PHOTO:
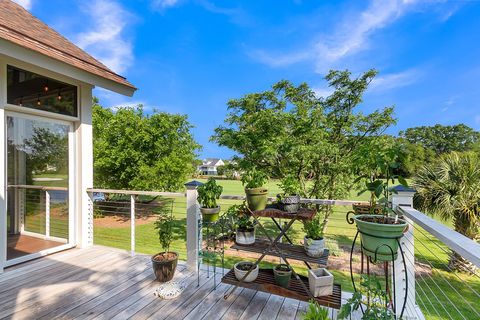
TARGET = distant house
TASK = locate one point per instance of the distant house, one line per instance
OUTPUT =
(209, 166)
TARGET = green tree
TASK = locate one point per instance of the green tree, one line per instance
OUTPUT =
(289, 131)
(144, 152)
(414, 157)
(443, 139)
(450, 188)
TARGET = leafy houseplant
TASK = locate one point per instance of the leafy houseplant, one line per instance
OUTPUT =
(282, 274)
(242, 268)
(254, 181)
(373, 297)
(315, 312)
(380, 229)
(313, 241)
(165, 263)
(290, 199)
(207, 197)
(245, 229)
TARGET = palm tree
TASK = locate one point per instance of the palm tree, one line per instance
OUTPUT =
(450, 188)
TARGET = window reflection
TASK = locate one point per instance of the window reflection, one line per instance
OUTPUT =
(30, 90)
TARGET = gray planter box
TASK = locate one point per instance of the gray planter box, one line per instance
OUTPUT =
(320, 282)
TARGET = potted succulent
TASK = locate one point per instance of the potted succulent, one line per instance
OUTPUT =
(208, 194)
(245, 229)
(254, 181)
(282, 274)
(320, 282)
(164, 263)
(381, 228)
(373, 299)
(313, 241)
(315, 312)
(242, 268)
(289, 200)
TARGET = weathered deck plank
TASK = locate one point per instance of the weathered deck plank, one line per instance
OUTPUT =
(106, 283)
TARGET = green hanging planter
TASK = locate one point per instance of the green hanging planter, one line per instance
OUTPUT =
(379, 234)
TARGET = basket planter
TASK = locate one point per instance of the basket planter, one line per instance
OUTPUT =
(164, 265)
(241, 269)
(256, 198)
(314, 248)
(320, 282)
(245, 237)
(379, 234)
(282, 274)
(290, 204)
(210, 214)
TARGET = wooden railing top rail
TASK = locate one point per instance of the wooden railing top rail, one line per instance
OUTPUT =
(138, 193)
(462, 245)
(44, 188)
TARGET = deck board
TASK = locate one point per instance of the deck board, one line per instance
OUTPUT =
(106, 283)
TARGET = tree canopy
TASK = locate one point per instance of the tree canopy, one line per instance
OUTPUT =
(443, 139)
(133, 150)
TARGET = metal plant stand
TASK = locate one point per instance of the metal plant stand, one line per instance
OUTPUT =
(365, 268)
(272, 246)
(212, 248)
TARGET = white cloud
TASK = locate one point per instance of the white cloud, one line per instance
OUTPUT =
(27, 4)
(323, 91)
(349, 37)
(394, 80)
(164, 4)
(106, 39)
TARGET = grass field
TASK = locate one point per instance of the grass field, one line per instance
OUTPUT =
(431, 252)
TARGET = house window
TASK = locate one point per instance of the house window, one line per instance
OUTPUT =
(30, 90)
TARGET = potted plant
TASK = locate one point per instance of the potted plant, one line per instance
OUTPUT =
(208, 194)
(254, 181)
(245, 229)
(282, 274)
(242, 268)
(164, 263)
(374, 299)
(316, 312)
(320, 282)
(289, 200)
(313, 241)
(380, 229)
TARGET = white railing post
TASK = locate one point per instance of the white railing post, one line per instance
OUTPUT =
(47, 214)
(193, 227)
(403, 197)
(132, 224)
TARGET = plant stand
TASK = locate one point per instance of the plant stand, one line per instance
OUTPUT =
(212, 244)
(298, 288)
(388, 267)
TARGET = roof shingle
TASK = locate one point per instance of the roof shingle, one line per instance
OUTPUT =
(19, 26)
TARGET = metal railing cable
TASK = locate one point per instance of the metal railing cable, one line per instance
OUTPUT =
(418, 240)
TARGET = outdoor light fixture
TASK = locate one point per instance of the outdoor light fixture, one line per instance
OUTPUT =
(38, 101)
(45, 88)
(59, 97)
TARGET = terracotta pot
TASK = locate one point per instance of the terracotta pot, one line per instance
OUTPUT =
(210, 214)
(164, 267)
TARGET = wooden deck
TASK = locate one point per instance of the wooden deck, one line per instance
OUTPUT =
(105, 283)
(21, 245)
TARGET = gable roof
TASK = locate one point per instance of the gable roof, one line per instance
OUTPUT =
(211, 162)
(19, 26)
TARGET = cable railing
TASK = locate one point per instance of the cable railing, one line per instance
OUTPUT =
(124, 219)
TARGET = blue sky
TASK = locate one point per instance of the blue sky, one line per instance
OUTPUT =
(191, 57)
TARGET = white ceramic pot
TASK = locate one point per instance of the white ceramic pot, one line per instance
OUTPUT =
(245, 238)
(239, 274)
(314, 248)
(320, 282)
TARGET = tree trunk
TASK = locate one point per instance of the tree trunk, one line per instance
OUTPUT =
(469, 229)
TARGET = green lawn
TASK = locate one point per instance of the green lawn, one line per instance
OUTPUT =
(427, 250)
